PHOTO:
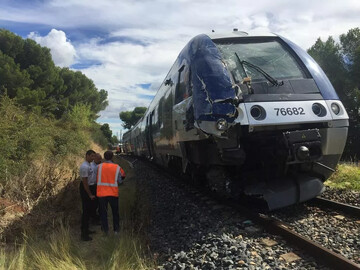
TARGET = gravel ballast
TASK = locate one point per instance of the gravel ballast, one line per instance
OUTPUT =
(188, 230)
(330, 228)
(342, 195)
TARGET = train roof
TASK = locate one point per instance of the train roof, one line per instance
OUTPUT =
(237, 34)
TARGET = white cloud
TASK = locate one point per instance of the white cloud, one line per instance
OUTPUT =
(125, 66)
(62, 51)
(148, 35)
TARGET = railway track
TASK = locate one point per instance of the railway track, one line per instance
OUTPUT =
(274, 226)
(351, 210)
(323, 254)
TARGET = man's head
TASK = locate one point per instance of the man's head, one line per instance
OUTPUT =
(90, 155)
(108, 155)
(97, 158)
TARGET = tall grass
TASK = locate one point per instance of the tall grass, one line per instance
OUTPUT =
(39, 160)
(347, 176)
(35, 151)
(60, 251)
(62, 248)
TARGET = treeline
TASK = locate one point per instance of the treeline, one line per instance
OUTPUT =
(29, 77)
(341, 63)
(47, 118)
(28, 74)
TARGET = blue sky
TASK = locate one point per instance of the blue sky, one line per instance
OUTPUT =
(127, 47)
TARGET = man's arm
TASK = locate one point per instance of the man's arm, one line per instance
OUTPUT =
(87, 189)
(119, 179)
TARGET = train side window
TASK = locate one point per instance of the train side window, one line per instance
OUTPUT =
(181, 87)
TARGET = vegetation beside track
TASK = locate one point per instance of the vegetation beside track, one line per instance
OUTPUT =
(48, 121)
(347, 176)
(57, 245)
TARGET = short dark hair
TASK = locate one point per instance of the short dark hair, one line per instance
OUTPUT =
(108, 155)
(89, 152)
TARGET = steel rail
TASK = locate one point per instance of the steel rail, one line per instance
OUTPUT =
(343, 207)
(323, 254)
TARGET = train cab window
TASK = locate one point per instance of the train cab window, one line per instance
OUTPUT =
(183, 88)
(244, 59)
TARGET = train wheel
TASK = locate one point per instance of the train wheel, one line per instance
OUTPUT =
(219, 181)
(196, 175)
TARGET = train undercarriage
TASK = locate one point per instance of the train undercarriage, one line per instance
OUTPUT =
(280, 167)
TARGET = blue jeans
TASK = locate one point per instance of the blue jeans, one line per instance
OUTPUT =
(114, 204)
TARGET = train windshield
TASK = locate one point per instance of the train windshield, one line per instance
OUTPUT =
(257, 58)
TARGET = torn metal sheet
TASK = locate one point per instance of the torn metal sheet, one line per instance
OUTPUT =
(210, 79)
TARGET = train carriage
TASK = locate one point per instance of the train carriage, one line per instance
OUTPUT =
(250, 114)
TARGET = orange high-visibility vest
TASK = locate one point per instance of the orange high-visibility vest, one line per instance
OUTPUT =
(107, 176)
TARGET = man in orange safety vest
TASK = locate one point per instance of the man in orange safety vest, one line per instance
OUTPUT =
(109, 175)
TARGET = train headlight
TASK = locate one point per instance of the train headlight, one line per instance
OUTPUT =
(221, 124)
(335, 108)
(258, 112)
(319, 109)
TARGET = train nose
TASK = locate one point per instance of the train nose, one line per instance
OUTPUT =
(303, 153)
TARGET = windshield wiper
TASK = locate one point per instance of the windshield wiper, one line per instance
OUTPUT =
(241, 63)
(272, 80)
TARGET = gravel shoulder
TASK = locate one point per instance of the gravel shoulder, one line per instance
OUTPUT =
(332, 229)
(342, 195)
(188, 230)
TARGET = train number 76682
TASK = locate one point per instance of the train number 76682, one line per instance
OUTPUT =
(289, 111)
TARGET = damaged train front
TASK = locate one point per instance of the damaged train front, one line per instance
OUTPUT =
(276, 122)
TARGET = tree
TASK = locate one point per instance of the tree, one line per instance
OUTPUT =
(328, 55)
(28, 74)
(80, 89)
(106, 131)
(12, 79)
(341, 63)
(350, 42)
(114, 139)
(130, 118)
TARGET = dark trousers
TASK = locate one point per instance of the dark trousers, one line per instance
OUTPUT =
(114, 204)
(87, 205)
(94, 204)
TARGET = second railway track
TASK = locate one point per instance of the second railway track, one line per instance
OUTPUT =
(338, 206)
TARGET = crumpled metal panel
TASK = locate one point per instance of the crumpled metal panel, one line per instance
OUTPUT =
(212, 86)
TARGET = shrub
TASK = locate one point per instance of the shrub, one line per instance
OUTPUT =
(347, 176)
(33, 148)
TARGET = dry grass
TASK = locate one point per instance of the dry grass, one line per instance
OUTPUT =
(60, 251)
(59, 246)
(347, 176)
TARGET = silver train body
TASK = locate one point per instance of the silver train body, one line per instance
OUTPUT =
(248, 115)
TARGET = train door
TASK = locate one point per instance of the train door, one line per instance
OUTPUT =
(149, 134)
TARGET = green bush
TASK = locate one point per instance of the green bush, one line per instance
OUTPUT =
(23, 136)
(347, 176)
(98, 136)
(27, 138)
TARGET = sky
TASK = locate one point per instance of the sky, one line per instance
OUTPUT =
(127, 46)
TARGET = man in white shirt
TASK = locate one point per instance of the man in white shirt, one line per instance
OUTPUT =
(87, 178)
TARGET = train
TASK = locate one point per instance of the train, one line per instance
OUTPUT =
(246, 115)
